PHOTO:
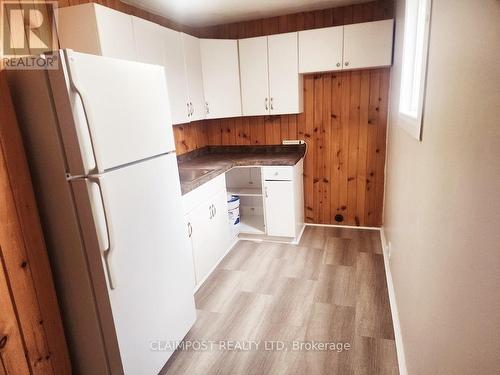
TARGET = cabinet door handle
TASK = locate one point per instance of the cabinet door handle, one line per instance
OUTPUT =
(215, 210)
(211, 212)
(189, 109)
(272, 106)
(192, 108)
(346, 63)
(267, 107)
(207, 107)
(338, 65)
(190, 230)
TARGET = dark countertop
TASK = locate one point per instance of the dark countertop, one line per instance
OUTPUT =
(215, 160)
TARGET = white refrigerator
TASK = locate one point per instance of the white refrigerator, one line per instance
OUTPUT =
(100, 144)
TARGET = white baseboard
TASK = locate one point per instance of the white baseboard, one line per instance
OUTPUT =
(272, 239)
(394, 308)
(341, 226)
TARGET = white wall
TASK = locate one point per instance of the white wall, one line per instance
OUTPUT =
(442, 212)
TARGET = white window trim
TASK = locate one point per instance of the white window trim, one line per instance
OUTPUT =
(411, 119)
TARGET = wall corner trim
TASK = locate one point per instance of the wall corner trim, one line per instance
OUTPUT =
(394, 308)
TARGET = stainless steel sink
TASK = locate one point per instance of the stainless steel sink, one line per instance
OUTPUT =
(188, 174)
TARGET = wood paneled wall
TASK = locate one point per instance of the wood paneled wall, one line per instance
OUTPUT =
(31, 333)
(344, 122)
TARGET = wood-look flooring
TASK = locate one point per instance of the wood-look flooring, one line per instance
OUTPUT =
(329, 288)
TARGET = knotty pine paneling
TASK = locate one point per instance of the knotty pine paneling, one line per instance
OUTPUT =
(344, 122)
(344, 168)
(24, 265)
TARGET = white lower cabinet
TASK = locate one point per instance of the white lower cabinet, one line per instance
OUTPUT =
(280, 211)
(271, 201)
(271, 207)
(283, 200)
(207, 221)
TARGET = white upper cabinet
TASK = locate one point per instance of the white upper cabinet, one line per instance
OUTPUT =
(158, 45)
(221, 77)
(149, 44)
(356, 46)
(95, 29)
(254, 76)
(192, 61)
(270, 81)
(285, 83)
(368, 44)
(175, 70)
(320, 50)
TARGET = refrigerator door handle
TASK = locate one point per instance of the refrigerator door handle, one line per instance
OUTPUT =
(107, 251)
(75, 88)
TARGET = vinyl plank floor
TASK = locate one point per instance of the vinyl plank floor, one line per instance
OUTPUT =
(266, 302)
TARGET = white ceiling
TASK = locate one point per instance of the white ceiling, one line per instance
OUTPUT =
(214, 12)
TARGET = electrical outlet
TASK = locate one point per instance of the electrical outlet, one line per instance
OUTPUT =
(293, 142)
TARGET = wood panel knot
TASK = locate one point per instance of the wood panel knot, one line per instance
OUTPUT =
(3, 341)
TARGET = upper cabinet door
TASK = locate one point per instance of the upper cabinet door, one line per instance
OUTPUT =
(175, 70)
(368, 44)
(149, 44)
(92, 28)
(320, 50)
(116, 33)
(221, 77)
(192, 60)
(254, 76)
(285, 84)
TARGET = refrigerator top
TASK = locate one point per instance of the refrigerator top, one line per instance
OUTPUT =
(111, 112)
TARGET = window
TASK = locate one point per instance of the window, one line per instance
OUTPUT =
(414, 65)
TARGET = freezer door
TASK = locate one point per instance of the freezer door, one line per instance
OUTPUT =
(120, 106)
(138, 222)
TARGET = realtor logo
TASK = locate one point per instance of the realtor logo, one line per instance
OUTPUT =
(28, 27)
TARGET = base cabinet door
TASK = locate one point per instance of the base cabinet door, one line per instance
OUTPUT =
(220, 222)
(280, 209)
(202, 239)
(209, 231)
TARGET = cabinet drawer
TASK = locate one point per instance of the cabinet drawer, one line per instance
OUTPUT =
(282, 173)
